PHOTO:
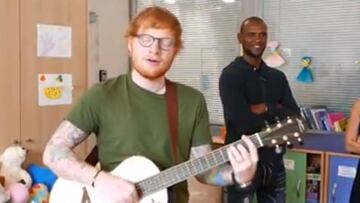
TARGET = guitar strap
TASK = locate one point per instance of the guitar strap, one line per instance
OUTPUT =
(172, 111)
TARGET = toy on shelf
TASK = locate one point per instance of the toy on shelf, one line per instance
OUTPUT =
(19, 193)
(4, 195)
(16, 180)
(305, 75)
(39, 193)
(275, 59)
(41, 175)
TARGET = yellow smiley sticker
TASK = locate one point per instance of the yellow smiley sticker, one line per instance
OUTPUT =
(53, 92)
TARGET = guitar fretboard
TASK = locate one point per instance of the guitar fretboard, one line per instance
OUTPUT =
(183, 171)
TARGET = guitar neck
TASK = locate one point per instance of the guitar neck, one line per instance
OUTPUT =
(183, 171)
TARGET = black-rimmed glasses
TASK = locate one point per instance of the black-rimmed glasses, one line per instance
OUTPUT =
(147, 40)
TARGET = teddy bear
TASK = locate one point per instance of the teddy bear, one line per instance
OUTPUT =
(11, 160)
(4, 195)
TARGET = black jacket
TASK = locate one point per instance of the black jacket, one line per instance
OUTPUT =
(241, 86)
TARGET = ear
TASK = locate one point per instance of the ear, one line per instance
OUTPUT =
(130, 40)
(239, 37)
(177, 50)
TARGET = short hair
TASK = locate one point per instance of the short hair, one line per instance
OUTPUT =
(158, 18)
(252, 18)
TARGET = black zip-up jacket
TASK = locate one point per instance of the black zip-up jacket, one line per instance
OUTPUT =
(241, 86)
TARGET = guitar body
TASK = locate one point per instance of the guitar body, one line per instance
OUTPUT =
(133, 169)
(153, 183)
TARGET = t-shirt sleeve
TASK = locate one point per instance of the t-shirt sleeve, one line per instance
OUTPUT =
(84, 115)
(202, 133)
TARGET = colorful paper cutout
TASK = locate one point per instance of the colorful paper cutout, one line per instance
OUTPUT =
(305, 74)
(275, 59)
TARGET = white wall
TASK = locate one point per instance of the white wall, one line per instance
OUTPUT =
(107, 45)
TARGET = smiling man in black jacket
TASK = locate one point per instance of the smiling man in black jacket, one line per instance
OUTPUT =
(253, 94)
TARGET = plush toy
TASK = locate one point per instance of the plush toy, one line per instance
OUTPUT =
(11, 160)
(4, 195)
(39, 193)
(43, 175)
(19, 193)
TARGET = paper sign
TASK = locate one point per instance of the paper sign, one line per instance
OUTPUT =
(289, 164)
(346, 171)
(55, 89)
(53, 41)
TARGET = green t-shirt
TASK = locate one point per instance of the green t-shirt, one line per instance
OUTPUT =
(129, 120)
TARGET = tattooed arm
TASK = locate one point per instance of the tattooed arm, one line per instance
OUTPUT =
(243, 163)
(59, 157)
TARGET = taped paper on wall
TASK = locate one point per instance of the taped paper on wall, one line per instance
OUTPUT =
(53, 41)
(55, 89)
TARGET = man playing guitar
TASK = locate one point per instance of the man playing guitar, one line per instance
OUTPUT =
(128, 115)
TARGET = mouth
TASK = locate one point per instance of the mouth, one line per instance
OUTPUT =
(257, 46)
(153, 61)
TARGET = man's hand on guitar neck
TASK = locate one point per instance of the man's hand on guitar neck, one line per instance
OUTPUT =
(243, 161)
(115, 189)
(242, 167)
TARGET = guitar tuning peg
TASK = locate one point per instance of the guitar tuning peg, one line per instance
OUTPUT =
(289, 120)
(278, 149)
(289, 145)
(300, 141)
(267, 126)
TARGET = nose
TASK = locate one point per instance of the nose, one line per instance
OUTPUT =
(155, 47)
(258, 38)
(26, 150)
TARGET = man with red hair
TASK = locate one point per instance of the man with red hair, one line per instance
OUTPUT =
(128, 114)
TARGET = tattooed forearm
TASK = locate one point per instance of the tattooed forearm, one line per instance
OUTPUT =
(58, 154)
(68, 134)
(220, 176)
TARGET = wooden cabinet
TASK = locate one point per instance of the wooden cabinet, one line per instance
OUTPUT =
(341, 172)
(337, 169)
(295, 164)
(22, 119)
(304, 169)
(10, 72)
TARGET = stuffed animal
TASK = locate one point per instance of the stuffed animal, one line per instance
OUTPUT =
(4, 195)
(39, 193)
(11, 160)
(42, 175)
(19, 193)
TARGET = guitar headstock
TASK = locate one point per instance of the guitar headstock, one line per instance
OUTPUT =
(284, 132)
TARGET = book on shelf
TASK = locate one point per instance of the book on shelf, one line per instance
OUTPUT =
(320, 118)
(335, 116)
(313, 183)
(340, 125)
(315, 116)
